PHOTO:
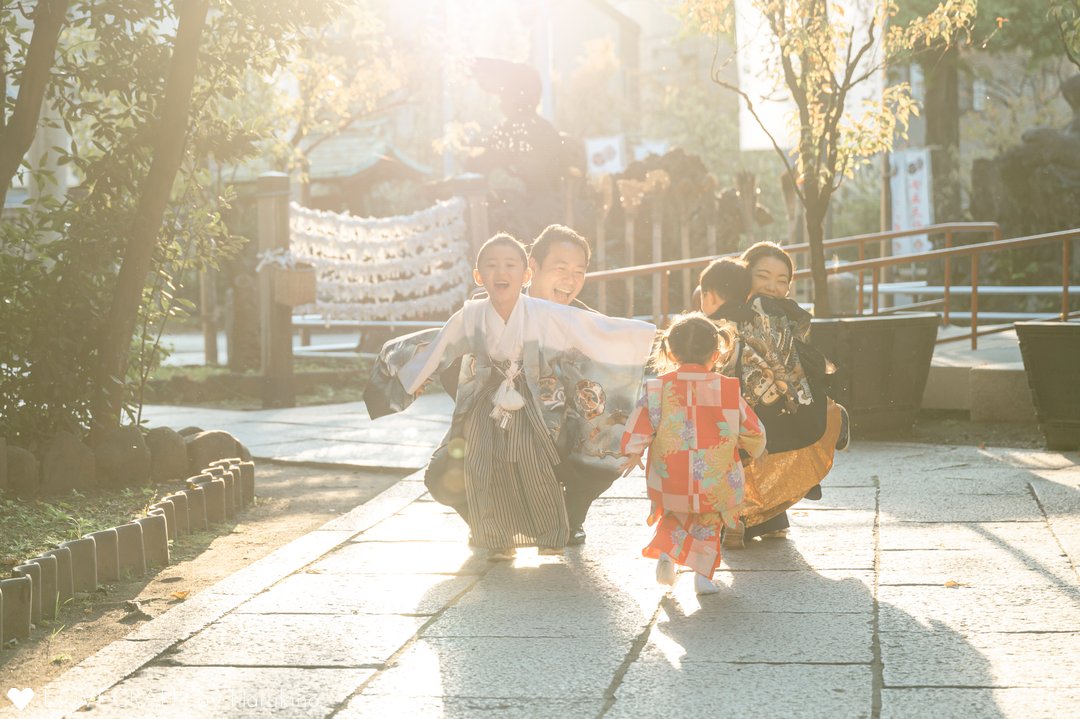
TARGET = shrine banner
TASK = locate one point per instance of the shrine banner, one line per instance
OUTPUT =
(912, 198)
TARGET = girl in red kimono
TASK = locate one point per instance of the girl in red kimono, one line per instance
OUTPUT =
(696, 425)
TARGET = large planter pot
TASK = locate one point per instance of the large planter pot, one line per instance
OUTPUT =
(1051, 352)
(882, 365)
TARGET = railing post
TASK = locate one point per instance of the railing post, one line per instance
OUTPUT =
(875, 277)
(272, 191)
(1066, 261)
(948, 279)
(975, 301)
(862, 277)
(665, 306)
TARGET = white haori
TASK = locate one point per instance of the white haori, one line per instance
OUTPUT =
(596, 361)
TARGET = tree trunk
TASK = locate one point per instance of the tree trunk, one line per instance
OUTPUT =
(119, 325)
(816, 211)
(942, 71)
(17, 135)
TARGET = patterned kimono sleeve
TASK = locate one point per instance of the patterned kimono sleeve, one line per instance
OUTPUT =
(449, 344)
(751, 430)
(640, 428)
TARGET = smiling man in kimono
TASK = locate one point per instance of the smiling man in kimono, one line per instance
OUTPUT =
(559, 259)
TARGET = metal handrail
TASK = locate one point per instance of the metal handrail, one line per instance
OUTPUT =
(875, 265)
(949, 229)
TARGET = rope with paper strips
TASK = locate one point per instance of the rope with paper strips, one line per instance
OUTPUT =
(389, 268)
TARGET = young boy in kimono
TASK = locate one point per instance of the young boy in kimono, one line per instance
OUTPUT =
(510, 437)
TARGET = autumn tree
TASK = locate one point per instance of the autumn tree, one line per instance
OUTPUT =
(823, 58)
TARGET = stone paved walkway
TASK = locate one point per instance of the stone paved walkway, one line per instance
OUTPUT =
(929, 582)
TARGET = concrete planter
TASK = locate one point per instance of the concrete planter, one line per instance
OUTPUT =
(1051, 352)
(882, 365)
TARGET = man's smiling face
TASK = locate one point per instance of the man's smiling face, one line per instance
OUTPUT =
(560, 277)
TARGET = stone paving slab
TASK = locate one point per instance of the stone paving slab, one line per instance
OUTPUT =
(406, 594)
(992, 659)
(368, 706)
(235, 692)
(503, 667)
(950, 509)
(794, 637)
(1042, 703)
(975, 568)
(992, 608)
(300, 640)
(366, 557)
(657, 685)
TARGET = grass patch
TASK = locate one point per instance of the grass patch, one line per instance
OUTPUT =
(29, 527)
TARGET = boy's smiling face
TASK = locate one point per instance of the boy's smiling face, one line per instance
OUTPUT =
(502, 272)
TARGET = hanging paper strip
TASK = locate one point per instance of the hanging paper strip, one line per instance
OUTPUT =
(390, 268)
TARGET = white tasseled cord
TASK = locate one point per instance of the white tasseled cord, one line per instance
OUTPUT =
(507, 399)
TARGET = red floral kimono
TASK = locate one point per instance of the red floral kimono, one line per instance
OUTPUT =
(694, 422)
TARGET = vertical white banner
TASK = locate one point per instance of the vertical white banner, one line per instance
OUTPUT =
(761, 75)
(912, 198)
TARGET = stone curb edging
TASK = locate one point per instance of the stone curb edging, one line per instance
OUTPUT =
(112, 554)
(96, 674)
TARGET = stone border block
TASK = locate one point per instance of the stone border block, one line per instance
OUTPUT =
(230, 494)
(33, 573)
(108, 555)
(49, 593)
(196, 497)
(247, 481)
(84, 574)
(215, 500)
(169, 510)
(65, 577)
(155, 538)
(17, 608)
(183, 516)
(129, 543)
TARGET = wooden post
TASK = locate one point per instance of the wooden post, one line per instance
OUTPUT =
(478, 218)
(275, 320)
(684, 245)
(601, 261)
(628, 254)
(975, 301)
(657, 211)
(710, 239)
(1066, 262)
(208, 309)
